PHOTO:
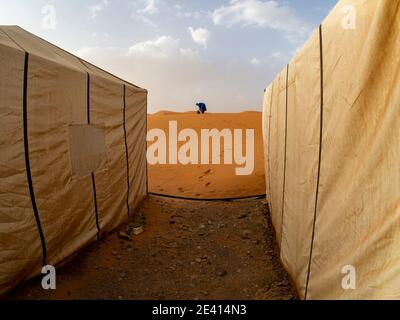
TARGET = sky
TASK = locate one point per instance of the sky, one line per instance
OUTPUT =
(221, 52)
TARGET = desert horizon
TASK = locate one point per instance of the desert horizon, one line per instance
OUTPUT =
(166, 112)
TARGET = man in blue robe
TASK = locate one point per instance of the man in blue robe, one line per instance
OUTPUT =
(202, 107)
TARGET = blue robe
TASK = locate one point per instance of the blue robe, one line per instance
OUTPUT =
(202, 107)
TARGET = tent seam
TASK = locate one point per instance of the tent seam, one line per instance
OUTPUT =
(284, 163)
(319, 160)
(127, 155)
(269, 146)
(145, 139)
(27, 160)
(92, 175)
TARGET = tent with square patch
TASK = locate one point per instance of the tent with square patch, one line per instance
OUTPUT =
(72, 154)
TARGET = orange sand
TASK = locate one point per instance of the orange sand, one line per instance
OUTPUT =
(208, 181)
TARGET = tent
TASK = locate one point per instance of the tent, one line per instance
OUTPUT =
(72, 154)
(332, 150)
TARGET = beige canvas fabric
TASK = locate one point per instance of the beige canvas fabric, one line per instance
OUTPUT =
(303, 127)
(277, 150)
(342, 188)
(61, 89)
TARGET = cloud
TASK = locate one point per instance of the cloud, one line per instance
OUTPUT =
(145, 9)
(190, 14)
(255, 62)
(277, 55)
(150, 8)
(265, 14)
(188, 52)
(159, 48)
(90, 52)
(177, 7)
(181, 13)
(200, 36)
(97, 8)
(145, 20)
(162, 50)
(276, 58)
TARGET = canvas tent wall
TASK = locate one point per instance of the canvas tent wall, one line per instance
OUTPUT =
(332, 150)
(72, 154)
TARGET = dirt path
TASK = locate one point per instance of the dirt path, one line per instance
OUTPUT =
(189, 250)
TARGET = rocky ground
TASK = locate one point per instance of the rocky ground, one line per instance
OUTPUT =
(188, 250)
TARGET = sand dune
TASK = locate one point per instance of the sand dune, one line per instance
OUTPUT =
(208, 181)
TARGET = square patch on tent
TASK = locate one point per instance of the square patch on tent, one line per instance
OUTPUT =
(87, 146)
